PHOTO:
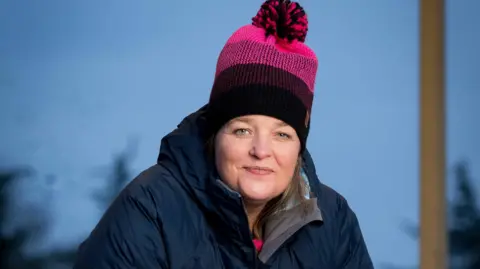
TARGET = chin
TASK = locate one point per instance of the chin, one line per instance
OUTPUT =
(256, 198)
(257, 192)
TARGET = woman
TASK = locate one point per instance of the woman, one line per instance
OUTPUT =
(234, 186)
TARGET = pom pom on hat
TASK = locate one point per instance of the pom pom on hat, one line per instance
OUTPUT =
(283, 19)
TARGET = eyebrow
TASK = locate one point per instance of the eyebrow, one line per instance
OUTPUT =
(242, 119)
(248, 120)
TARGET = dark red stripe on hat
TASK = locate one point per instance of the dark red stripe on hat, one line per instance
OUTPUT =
(259, 74)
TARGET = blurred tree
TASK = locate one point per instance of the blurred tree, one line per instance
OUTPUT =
(14, 243)
(464, 234)
(464, 223)
(118, 175)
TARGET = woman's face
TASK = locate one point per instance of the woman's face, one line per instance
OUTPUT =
(256, 156)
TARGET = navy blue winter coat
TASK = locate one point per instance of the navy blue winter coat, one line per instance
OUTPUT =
(178, 215)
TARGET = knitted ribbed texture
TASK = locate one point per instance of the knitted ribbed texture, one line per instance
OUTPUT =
(248, 45)
(265, 69)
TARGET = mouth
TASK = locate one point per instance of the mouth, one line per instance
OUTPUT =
(258, 170)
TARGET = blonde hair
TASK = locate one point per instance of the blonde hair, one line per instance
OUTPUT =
(295, 192)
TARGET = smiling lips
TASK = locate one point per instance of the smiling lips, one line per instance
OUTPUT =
(259, 171)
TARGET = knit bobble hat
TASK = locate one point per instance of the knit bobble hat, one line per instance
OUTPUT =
(266, 69)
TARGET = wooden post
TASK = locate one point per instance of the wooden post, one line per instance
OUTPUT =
(433, 232)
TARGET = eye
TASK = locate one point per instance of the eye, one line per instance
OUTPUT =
(284, 135)
(241, 132)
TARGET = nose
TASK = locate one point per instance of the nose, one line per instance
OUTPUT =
(261, 148)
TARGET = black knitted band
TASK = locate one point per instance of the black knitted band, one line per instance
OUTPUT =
(260, 99)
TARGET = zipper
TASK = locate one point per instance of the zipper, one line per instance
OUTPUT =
(248, 234)
(244, 229)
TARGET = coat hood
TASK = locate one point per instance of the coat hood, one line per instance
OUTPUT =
(182, 152)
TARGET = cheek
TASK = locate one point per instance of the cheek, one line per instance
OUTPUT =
(287, 161)
(228, 156)
(224, 151)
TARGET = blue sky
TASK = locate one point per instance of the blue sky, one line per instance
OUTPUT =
(78, 78)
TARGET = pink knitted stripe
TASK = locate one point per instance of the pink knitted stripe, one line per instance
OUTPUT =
(257, 34)
(251, 52)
